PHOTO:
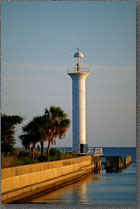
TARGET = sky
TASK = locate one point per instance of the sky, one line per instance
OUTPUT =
(38, 41)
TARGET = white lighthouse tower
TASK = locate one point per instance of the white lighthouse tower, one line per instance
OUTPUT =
(78, 75)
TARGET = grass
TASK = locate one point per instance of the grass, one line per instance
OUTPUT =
(24, 157)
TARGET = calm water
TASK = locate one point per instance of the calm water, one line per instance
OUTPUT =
(103, 188)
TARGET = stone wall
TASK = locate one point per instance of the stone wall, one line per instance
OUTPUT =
(25, 181)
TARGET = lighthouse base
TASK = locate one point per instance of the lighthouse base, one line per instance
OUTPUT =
(83, 148)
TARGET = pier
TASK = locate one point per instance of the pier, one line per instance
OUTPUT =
(116, 163)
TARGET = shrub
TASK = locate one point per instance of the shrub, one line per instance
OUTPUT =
(56, 154)
(24, 154)
(26, 160)
(15, 152)
(73, 154)
(68, 155)
(42, 158)
(35, 161)
(9, 161)
(6, 161)
(48, 158)
(24, 157)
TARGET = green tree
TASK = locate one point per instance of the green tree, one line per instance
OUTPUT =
(53, 124)
(32, 134)
(26, 141)
(58, 123)
(8, 124)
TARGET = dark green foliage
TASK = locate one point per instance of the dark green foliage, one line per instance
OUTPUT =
(53, 124)
(56, 154)
(15, 152)
(25, 160)
(44, 158)
(72, 154)
(24, 157)
(68, 155)
(54, 151)
(24, 154)
(8, 124)
(34, 132)
(13, 160)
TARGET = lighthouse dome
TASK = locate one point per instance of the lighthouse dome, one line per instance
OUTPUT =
(79, 54)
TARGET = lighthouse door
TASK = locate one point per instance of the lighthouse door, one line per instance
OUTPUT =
(83, 148)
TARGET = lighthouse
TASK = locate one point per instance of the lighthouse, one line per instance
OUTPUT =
(78, 75)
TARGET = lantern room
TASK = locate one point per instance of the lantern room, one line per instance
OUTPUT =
(78, 60)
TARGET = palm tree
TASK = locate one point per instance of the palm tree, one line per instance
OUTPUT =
(32, 134)
(53, 124)
(43, 130)
(58, 125)
(26, 141)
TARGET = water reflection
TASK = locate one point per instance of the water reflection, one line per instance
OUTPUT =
(72, 193)
(115, 171)
(76, 192)
(103, 188)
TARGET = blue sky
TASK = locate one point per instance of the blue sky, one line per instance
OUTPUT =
(34, 72)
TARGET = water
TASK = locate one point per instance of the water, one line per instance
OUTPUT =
(103, 188)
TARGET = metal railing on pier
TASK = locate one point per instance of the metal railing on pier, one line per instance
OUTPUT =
(98, 151)
(95, 151)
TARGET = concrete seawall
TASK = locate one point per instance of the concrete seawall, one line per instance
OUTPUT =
(20, 182)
